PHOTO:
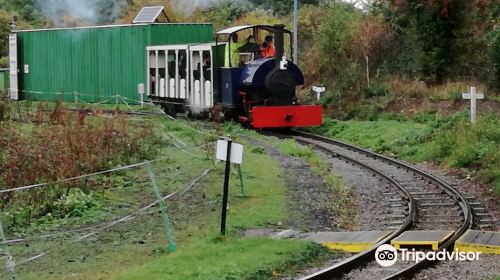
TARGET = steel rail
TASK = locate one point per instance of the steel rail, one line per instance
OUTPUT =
(365, 256)
(410, 270)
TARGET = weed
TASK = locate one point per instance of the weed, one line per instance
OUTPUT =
(60, 144)
(375, 90)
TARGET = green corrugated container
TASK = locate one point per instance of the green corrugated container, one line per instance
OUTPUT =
(4, 79)
(97, 63)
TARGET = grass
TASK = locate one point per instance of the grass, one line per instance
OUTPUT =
(252, 258)
(208, 256)
(381, 136)
(448, 141)
(137, 249)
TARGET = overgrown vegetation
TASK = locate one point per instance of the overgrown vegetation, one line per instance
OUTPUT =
(46, 145)
(137, 246)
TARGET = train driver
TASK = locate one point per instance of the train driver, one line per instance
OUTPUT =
(268, 49)
(233, 53)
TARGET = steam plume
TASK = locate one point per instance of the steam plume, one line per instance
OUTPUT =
(87, 11)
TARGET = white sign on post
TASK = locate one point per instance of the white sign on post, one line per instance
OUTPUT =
(473, 96)
(236, 152)
(140, 91)
(318, 90)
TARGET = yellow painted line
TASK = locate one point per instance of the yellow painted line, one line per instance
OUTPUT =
(348, 247)
(434, 243)
(472, 247)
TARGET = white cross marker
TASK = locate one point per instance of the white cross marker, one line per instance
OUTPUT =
(473, 96)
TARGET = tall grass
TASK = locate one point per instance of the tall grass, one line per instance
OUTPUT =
(49, 145)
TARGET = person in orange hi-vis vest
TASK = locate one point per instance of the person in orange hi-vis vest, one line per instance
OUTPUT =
(268, 49)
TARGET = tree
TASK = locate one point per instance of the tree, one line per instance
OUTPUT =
(494, 56)
(439, 31)
(369, 33)
(282, 7)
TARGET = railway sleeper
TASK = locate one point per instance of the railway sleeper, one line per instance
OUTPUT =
(394, 199)
(490, 221)
(443, 215)
(389, 194)
(438, 204)
(447, 210)
(486, 226)
(396, 216)
(475, 204)
(423, 220)
(426, 193)
(482, 214)
(434, 198)
(404, 206)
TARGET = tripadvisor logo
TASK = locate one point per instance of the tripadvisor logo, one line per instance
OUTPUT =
(386, 255)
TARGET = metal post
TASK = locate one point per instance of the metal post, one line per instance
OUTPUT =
(241, 180)
(10, 260)
(163, 207)
(226, 187)
(472, 104)
(295, 31)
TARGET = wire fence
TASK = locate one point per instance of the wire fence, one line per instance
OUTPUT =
(143, 215)
(137, 215)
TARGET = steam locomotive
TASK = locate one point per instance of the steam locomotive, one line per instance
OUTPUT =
(258, 92)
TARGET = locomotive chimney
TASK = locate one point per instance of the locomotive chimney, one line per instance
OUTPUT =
(279, 30)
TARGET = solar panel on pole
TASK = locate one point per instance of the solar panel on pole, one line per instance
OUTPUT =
(148, 14)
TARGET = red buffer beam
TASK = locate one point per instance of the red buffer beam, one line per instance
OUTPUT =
(287, 116)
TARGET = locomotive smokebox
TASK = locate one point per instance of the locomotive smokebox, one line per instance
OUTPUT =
(279, 43)
(280, 83)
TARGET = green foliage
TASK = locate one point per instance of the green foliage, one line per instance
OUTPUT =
(367, 110)
(451, 141)
(49, 147)
(439, 39)
(73, 204)
(494, 57)
(282, 7)
(4, 62)
(254, 258)
(221, 15)
(374, 90)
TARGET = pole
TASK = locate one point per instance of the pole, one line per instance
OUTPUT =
(472, 104)
(295, 31)
(241, 180)
(226, 188)
(163, 207)
(10, 260)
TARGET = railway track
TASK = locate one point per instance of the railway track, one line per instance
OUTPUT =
(419, 201)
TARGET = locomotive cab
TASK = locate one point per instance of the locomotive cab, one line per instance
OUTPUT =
(261, 91)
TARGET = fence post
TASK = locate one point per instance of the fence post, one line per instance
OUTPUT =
(170, 234)
(11, 265)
